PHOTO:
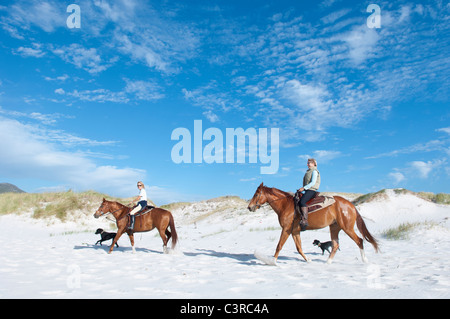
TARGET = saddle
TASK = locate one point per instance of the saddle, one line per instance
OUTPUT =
(315, 203)
(144, 210)
(147, 209)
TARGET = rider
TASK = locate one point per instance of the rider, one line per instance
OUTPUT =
(311, 183)
(141, 200)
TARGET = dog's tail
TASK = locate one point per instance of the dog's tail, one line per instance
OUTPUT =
(174, 231)
(365, 232)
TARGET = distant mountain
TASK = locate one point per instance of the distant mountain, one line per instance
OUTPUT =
(9, 188)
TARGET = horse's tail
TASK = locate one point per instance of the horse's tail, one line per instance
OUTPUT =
(365, 232)
(174, 232)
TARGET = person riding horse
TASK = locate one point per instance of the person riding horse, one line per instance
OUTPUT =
(311, 183)
(141, 200)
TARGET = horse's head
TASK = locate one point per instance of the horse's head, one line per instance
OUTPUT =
(103, 209)
(258, 199)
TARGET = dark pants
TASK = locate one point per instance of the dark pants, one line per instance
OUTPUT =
(306, 197)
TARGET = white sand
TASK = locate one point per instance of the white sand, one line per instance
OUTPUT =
(215, 257)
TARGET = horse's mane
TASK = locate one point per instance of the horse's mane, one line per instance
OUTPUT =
(276, 192)
(120, 204)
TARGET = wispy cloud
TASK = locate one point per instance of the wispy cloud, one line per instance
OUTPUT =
(322, 156)
(310, 78)
(87, 59)
(212, 99)
(133, 90)
(140, 32)
(47, 119)
(34, 51)
(23, 15)
(33, 153)
(144, 90)
(430, 146)
(420, 170)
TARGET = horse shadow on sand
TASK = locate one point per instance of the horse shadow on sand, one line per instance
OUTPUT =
(121, 249)
(244, 259)
(241, 258)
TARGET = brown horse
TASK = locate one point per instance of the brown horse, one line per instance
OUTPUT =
(157, 217)
(341, 215)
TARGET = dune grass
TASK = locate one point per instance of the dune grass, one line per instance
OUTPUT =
(404, 230)
(45, 205)
(440, 198)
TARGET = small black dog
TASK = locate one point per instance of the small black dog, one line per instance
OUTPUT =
(105, 236)
(324, 246)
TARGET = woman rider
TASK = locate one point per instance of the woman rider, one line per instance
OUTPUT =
(311, 183)
(141, 200)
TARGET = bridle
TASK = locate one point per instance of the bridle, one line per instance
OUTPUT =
(258, 206)
(106, 213)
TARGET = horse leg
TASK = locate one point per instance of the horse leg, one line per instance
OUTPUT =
(283, 237)
(351, 233)
(131, 236)
(164, 239)
(168, 234)
(298, 245)
(334, 232)
(119, 233)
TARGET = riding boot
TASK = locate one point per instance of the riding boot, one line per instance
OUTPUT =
(132, 217)
(303, 218)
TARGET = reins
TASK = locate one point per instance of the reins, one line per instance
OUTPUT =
(269, 202)
(104, 214)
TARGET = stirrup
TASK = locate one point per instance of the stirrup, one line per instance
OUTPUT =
(303, 226)
(132, 218)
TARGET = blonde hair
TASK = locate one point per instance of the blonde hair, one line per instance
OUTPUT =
(139, 182)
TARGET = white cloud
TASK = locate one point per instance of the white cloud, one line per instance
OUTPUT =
(83, 58)
(433, 145)
(61, 78)
(444, 129)
(146, 35)
(213, 100)
(309, 98)
(134, 89)
(362, 43)
(46, 119)
(423, 169)
(23, 15)
(100, 96)
(144, 90)
(33, 156)
(397, 177)
(322, 156)
(35, 52)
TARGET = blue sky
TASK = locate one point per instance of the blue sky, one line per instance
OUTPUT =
(94, 107)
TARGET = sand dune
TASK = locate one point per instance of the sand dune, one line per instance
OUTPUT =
(215, 256)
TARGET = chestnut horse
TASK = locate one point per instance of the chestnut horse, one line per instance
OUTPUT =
(157, 217)
(341, 215)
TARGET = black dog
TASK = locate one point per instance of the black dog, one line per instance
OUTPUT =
(324, 246)
(105, 236)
